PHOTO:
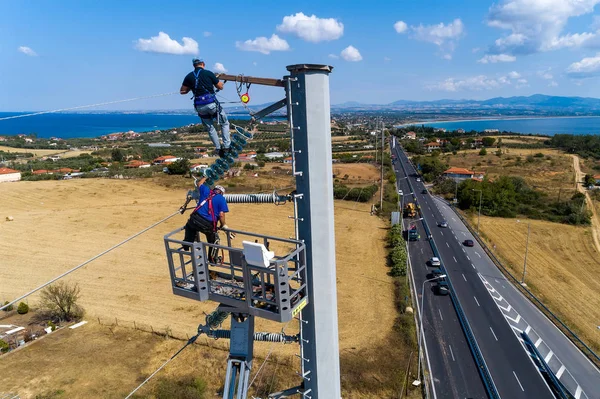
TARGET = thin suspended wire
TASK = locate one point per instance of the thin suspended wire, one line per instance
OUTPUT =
(87, 106)
(88, 261)
(190, 341)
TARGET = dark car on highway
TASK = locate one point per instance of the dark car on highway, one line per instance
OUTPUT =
(424, 191)
(468, 243)
(442, 288)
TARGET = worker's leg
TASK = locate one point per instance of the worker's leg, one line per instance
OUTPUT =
(191, 231)
(207, 113)
(224, 128)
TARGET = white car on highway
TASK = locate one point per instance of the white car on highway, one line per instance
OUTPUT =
(435, 261)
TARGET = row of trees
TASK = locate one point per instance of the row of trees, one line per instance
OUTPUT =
(587, 146)
(510, 196)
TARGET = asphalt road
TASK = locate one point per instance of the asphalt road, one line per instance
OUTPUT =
(571, 366)
(453, 370)
(511, 368)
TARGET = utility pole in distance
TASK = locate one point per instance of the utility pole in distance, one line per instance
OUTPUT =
(310, 104)
(381, 188)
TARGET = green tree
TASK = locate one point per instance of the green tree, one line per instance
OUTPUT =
(23, 308)
(3, 346)
(589, 180)
(8, 308)
(483, 152)
(488, 141)
(117, 155)
(180, 167)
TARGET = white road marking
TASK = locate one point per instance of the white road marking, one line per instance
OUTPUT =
(464, 277)
(468, 257)
(515, 374)
(441, 233)
(452, 353)
(454, 219)
(441, 314)
(548, 356)
(560, 371)
(517, 329)
(448, 245)
(527, 329)
(494, 334)
(578, 392)
(477, 301)
(538, 342)
(463, 233)
(505, 309)
(421, 250)
(464, 250)
(454, 259)
(473, 265)
(517, 320)
(477, 253)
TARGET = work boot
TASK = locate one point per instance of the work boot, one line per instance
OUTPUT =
(216, 152)
(222, 152)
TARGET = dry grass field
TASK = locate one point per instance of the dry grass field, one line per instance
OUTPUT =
(549, 174)
(562, 267)
(59, 224)
(37, 153)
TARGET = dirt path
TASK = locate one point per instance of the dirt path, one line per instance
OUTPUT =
(579, 176)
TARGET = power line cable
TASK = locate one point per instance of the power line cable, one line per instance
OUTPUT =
(88, 261)
(190, 341)
(87, 106)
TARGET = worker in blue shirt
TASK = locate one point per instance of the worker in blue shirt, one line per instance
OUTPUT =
(207, 217)
(202, 83)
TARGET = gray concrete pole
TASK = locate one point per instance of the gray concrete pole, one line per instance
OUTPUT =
(314, 183)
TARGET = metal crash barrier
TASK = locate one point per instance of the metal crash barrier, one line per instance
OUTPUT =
(243, 274)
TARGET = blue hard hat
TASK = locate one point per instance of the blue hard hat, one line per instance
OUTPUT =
(197, 61)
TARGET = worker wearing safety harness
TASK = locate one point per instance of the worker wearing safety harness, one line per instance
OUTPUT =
(207, 216)
(202, 83)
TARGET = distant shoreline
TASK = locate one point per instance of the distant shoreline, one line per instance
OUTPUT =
(517, 118)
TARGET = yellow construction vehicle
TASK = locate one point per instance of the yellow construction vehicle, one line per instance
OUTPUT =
(410, 210)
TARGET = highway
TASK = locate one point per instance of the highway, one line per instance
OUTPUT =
(453, 370)
(570, 365)
(511, 368)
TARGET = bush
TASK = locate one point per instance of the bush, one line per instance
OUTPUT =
(8, 308)
(180, 167)
(397, 257)
(539, 155)
(362, 194)
(59, 301)
(51, 325)
(3, 346)
(23, 308)
(482, 152)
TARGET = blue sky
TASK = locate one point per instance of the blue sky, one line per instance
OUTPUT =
(70, 53)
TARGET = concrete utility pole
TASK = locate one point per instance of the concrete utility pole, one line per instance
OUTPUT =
(381, 188)
(479, 215)
(314, 184)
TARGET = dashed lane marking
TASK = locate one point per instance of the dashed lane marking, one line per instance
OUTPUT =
(477, 253)
(452, 353)
(441, 314)
(477, 301)
(464, 276)
(468, 257)
(454, 259)
(560, 371)
(473, 265)
(515, 374)
(548, 356)
(448, 245)
(538, 342)
(493, 333)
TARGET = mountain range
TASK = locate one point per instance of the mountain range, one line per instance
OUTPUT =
(536, 101)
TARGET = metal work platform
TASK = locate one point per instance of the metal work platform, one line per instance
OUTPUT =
(244, 274)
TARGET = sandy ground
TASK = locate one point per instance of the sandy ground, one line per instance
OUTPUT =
(39, 153)
(562, 267)
(357, 172)
(579, 178)
(59, 224)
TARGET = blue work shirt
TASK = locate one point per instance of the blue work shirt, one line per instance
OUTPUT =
(218, 202)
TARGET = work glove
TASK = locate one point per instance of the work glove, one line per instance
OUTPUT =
(231, 233)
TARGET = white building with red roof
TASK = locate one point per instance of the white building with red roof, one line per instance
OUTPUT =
(7, 175)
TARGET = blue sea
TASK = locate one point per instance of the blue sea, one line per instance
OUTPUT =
(67, 126)
(545, 126)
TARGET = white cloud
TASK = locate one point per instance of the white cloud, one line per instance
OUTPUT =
(334, 56)
(538, 25)
(255, 63)
(207, 34)
(552, 84)
(312, 29)
(545, 74)
(587, 67)
(387, 59)
(164, 44)
(445, 36)
(27, 51)
(219, 68)
(522, 83)
(492, 59)
(351, 53)
(264, 45)
(514, 75)
(400, 27)
(475, 50)
(478, 83)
